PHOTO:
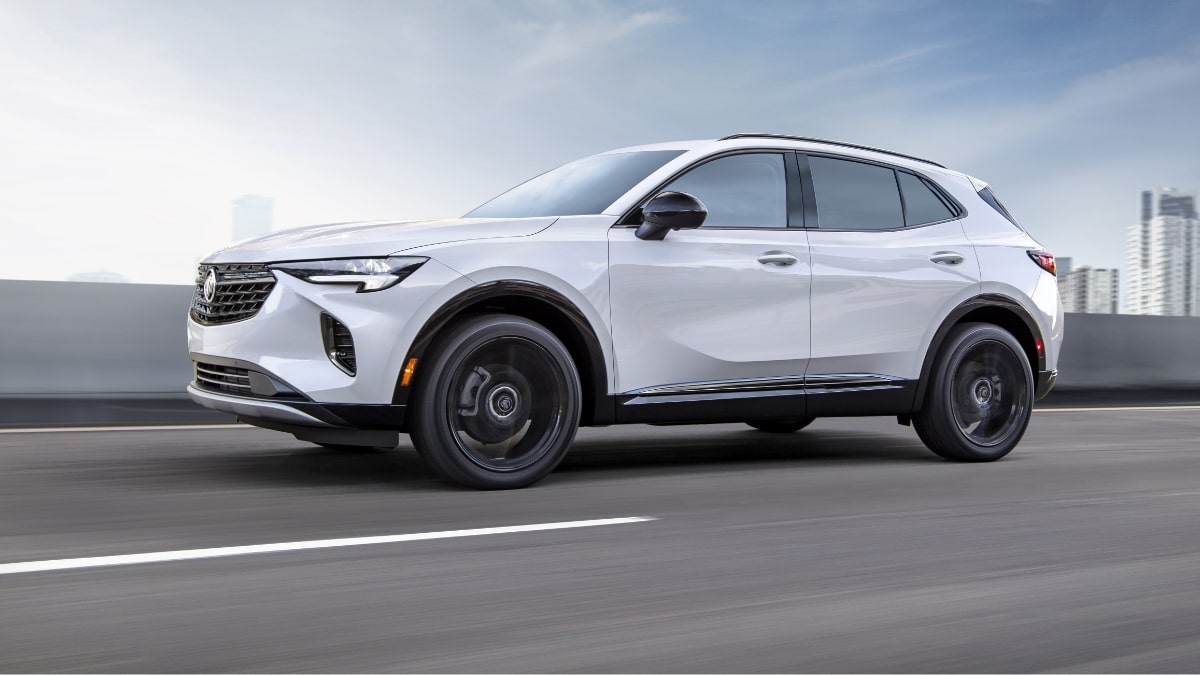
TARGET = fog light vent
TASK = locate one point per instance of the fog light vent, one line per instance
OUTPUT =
(339, 344)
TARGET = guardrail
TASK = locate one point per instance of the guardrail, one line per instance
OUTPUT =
(84, 353)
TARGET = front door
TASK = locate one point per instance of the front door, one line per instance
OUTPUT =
(722, 310)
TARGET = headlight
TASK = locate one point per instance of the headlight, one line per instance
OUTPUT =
(369, 274)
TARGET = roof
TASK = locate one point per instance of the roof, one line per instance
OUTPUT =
(786, 137)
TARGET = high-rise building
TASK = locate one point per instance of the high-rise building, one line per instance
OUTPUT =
(1089, 290)
(1163, 256)
(1063, 265)
(252, 215)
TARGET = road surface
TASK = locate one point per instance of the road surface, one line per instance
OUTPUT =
(844, 547)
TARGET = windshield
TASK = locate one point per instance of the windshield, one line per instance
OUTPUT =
(586, 186)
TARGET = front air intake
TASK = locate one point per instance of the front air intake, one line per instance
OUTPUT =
(339, 344)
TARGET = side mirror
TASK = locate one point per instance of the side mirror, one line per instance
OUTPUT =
(670, 211)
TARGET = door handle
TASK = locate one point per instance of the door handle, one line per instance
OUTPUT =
(777, 258)
(946, 258)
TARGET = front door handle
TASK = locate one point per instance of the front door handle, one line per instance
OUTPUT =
(777, 258)
(946, 258)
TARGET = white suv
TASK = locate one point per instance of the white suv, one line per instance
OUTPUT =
(756, 278)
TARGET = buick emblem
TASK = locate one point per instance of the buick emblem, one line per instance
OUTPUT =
(210, 286)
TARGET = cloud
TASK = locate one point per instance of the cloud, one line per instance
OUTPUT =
(127, 126)
(562, 33)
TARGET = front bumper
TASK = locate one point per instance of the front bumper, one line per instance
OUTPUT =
(285, 338)
(341, 423)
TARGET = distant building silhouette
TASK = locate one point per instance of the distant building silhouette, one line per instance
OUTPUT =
(1163, 256)
(1089, 290)
(252, 216)
(1064, 267)
(100, 276)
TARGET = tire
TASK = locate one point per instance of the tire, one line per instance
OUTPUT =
(781, 426)
(499, 403)
(979, 397)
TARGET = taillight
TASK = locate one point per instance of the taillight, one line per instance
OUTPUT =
(1044, 260)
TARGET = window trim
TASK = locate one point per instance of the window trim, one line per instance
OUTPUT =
(795, 203)
(810, 204)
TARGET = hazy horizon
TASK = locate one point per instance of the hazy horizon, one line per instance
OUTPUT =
(127, 128)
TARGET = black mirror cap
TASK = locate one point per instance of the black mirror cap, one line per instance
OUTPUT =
(668, 211)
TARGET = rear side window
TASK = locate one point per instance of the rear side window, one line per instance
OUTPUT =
(921, 204)
(855, 196)
(986, 195)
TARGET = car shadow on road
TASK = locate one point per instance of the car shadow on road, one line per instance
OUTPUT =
(596, 454)
(735, 448)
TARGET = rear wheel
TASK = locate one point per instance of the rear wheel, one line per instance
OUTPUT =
(979, 398)
(499, 404)
(781, 426)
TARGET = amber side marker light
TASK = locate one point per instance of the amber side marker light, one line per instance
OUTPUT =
(407, 373)
(1044, 260)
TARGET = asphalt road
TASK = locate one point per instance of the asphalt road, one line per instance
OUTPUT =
(845, 547)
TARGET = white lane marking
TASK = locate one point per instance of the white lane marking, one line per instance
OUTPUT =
(1128, 408)
(161, 427)
(196, 553)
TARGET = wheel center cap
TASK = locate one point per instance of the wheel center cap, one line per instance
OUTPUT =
(503, 401)
(983, 392)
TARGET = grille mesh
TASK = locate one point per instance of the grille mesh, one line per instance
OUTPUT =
(223, 378)
(239, 294)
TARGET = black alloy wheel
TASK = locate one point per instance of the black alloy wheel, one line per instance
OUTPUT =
(980, 396)
(497, 405)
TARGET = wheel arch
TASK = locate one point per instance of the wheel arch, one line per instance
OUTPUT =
(998, 310)
(538, 303)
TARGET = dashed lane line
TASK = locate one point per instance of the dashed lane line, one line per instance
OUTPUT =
(227, 551)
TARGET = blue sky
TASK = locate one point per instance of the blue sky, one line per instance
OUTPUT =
(127, 127)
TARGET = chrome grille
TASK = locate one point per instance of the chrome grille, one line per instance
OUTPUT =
(223, 378)
(239, 293)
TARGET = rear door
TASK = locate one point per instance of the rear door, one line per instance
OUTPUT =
(889, 260)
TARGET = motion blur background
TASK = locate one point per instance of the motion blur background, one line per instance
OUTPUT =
(138, 136)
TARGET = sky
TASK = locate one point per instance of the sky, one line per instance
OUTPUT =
(128, 127)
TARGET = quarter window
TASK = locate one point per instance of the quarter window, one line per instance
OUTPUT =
(855, 196)
(921, 204)
(741, 191)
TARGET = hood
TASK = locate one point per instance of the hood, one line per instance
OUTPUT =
(371, 239)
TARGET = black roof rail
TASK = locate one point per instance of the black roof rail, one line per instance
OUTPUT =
(786, 137)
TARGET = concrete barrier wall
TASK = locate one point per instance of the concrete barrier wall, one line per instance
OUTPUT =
(66, 338)
(90, 352)
(1115, 351)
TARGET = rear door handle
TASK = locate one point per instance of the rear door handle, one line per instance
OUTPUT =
(777, 258)
(946, 258)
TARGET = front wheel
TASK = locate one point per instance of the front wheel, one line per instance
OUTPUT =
(498, 405)
(979, 397)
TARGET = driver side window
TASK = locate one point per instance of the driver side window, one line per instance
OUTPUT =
(740, 191)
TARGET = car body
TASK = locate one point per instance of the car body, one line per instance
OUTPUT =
(758, 278)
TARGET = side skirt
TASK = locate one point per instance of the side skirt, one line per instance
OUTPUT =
(836, 396)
